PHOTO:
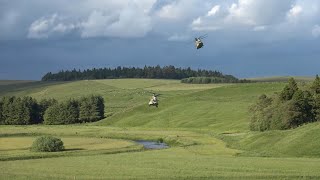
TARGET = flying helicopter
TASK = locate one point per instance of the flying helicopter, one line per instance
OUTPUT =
(154, 100)
(198, 42)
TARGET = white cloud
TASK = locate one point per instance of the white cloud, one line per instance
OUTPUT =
(49, 26)
(132, 21)
(295, 11)
(169, 12)
(180, 10)
(41, 28)
(126, 18)
(294, 14)
(259, 12)
(214, 10)
(136, 18)
(63, 28)
(253, 14)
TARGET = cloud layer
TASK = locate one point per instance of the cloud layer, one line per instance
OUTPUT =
(38, 19)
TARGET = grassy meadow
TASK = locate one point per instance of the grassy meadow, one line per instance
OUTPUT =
(205, 125)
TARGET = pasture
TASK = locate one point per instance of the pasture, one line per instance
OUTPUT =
(205, 125)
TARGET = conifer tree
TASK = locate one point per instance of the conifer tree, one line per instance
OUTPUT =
(1, 114)
(289, 90)
(44, 105)
(315, 87)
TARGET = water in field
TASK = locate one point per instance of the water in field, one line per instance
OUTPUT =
(152, 144)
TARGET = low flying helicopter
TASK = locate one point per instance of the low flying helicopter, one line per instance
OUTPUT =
(154, 100)
(198, 42)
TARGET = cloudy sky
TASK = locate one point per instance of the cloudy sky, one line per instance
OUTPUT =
(246, 38)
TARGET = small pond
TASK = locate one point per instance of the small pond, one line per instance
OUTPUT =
(152, 144)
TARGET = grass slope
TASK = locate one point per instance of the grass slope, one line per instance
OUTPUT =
(282, 79)
(206, 124)
(221, 109)
(209, 158)
(301, 142)
(119, 95)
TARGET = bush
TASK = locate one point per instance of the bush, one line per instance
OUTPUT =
(47, 144)
(160, 140)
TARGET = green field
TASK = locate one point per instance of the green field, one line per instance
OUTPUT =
(282, 79)
(205, 125)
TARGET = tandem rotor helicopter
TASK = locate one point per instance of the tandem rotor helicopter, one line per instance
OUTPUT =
(154, 100)
(197, 41)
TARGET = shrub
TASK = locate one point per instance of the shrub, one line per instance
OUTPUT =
(47, 144)
(160, 140)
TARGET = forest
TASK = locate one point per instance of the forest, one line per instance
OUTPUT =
(149, 72)
(27, 110)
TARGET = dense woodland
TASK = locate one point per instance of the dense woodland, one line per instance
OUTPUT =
(150, 72)
(288, 109)
(26, 110)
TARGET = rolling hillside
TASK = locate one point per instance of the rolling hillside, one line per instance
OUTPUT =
(221, 109)
(206, 125)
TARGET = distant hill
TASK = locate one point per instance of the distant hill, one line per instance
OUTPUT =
(282, 79)
(8, 82)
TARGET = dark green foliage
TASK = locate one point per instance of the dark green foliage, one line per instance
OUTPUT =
(157, 72)
(19, 111)
(160, 140)
(291, 109)
(316, 108)
(209, 80)
(44, 104)
(289, 90)
(26, 110)
(47, 144)
(33, 108)
(70, 114)
(52, 115)
(87, 109)
(91, 108)
(303, 102)
(315, 87)
(1, 114)
(260, 113)
(62, 113)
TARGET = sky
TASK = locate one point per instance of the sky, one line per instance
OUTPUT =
(246, 38)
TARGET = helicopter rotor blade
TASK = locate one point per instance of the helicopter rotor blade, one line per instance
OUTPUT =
(203, 36)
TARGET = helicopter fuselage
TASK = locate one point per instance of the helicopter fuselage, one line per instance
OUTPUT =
(198, 43)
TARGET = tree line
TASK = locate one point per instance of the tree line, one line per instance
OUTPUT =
(27, 110)
(150, 72)
(209, 80)
(290, 108)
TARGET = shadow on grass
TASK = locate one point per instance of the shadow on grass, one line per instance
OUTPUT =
(74, 149)
(13, 88)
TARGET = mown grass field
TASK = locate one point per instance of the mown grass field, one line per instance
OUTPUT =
(206, 126)
(282, 79)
